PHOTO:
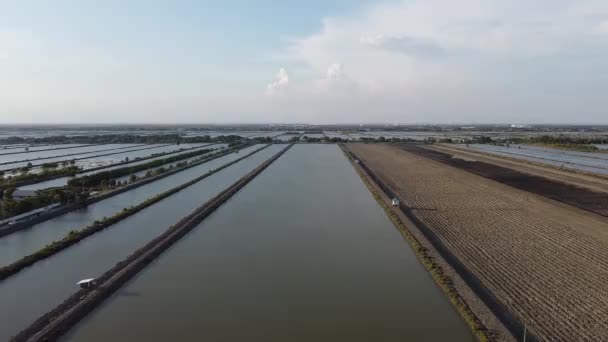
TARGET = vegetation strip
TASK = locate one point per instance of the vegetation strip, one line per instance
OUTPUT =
(10, 207)
(153, 155)
(91, 200)
(579, 197)
(75, 236)
(56, 322)
(96, 179)
(441, 279)
(50, 174)
(509, 319)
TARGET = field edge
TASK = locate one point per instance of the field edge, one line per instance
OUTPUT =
(437, 272)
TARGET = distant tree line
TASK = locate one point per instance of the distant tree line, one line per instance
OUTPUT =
(120, 138)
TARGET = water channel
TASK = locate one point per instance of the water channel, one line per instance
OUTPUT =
(302, 253)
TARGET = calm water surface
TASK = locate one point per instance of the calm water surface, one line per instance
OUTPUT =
(302, 253)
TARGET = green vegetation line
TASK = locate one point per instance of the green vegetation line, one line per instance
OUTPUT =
(75, 236)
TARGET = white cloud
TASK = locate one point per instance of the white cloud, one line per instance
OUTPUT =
(334, 72)
(471, 60)
(412, 46)
(336, 82)
(281, 82)
(602, 27)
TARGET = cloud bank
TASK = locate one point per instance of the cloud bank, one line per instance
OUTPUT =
(281, 82)
(465, 61)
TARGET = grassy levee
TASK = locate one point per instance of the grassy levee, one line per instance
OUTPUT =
(95, 199)
(75, 236)
(510, 320)
(55, 323)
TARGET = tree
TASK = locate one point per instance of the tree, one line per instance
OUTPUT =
(133, 178)
(58, 196)
(82, 196)
(8, 193)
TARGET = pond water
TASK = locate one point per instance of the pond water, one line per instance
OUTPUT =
(302, 253)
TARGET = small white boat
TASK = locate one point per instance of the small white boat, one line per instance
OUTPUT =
(395, 202)
(86, 283)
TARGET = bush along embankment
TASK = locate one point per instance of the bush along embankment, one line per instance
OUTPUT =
(10, 207)
(55, 323)
(67, 169)
(103, 179)
(77, 197)
(49, 171)
(138, 159)
(75, 236)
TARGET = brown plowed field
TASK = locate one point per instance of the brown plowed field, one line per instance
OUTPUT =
(550, 265)
(580, 197)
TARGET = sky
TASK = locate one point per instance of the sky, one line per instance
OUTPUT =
(315, 61)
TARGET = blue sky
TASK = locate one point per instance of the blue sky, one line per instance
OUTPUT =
(314, 61)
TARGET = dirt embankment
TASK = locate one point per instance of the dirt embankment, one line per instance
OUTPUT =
(547, 266)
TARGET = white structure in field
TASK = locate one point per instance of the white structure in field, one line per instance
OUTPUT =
(395, 202)
(86, 283)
